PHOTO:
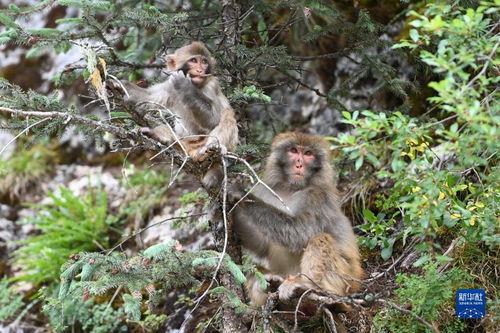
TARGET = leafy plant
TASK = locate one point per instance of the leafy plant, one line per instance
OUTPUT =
(429, 296)
(24, 169)
(439, 181)
(10, 301)
(148, 184)
(68, 225)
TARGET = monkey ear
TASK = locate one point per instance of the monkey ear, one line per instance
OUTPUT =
(171, 63)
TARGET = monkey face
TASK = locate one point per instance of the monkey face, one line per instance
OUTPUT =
(302, 162)
(198, 69)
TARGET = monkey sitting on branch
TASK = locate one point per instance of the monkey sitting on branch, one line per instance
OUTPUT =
(302, 236)
(203, 119)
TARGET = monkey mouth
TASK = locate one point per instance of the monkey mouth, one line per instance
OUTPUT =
(298, 175)
(201, 76)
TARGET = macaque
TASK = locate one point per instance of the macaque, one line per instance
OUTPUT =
(203, 118)
(309, 242)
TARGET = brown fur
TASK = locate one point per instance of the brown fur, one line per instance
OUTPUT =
(312, 237)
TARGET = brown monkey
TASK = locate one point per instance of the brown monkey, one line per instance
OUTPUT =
(204, 120)
(310, 237)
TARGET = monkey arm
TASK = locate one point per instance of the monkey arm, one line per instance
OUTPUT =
(191, 99)
(274, 225)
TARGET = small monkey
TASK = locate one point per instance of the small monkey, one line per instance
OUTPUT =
(310, 241)
(204, 120)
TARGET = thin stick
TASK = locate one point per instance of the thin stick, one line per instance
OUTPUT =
(224, 248)
(24, 131)
(296, 321)
(403, 310)
(151, 226)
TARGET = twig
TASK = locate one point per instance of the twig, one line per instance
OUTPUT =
(33, 9)
(117, 291)
(24, 131)
(47, 115)
(317, 91)
(151, 226)
(483, 70)
(224, 248)
(408, 312)
(295, 316)
(331, 323)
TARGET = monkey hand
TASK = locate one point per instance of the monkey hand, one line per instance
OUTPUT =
(160, 133)
(180, 82)
(116, 88)
(235, 192)
(290, 288)
(211, 146)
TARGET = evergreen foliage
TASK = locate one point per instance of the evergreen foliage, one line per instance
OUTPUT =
(154, 272)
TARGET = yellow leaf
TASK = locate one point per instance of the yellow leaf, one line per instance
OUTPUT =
(456, 216)
(435, 203)
(472, 220)
(441, 196)
(103, 64)
(412, 141)
(95, 79)
(471, 208)
(480, 204)
(416, 189)
(421, 148)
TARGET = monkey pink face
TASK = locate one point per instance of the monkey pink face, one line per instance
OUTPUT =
(197, 69)
(301, 160)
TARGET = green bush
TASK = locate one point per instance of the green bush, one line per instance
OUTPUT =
(429, 296)
(438, 179)
(21, 172)
(68, 225)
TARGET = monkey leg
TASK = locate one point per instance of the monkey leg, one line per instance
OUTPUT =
(257, 295)
(213, 177)
(325, 265)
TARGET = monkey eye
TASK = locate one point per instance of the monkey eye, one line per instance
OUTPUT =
(294, 150)
(308, 153)
(204, 61)
(192, 60)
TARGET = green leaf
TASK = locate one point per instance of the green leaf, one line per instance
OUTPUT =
(236, 272)
(369, 216)
(359, 162)
(386, 253)
(414, 35)
(422, 260)
(8, 21)
(132, 307)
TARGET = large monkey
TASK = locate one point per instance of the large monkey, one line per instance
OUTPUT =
(204, 118)
(310, 240)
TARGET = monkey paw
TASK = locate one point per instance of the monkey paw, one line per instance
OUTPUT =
(212, 178)
(289, 288)
(179, 80)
